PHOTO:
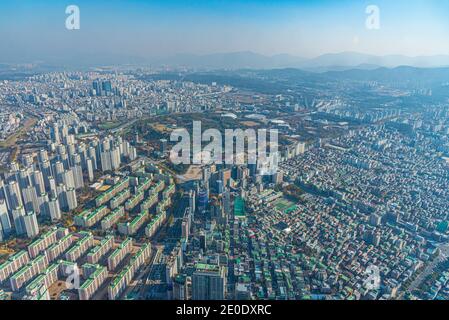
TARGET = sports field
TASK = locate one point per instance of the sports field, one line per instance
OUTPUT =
(284, 205)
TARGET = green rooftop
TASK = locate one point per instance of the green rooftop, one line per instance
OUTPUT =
(239, 207)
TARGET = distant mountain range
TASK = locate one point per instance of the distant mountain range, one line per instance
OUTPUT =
(241, 60)
(323, 63)
(234, 60)
(398, 74)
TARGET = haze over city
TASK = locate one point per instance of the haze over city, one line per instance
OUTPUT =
(136, 30)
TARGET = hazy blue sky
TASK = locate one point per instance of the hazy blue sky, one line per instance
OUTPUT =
(35, 29)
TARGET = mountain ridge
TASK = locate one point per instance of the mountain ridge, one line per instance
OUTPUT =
(250, 60)
(322, 63)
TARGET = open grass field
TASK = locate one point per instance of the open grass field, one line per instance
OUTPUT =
(109, 125)
(159, 127)
(284, 205)
(12, 139)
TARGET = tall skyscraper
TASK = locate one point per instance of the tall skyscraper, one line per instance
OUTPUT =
(30, 199)
(54, 134)
(14, 196)
(106, 86)
(43, 156)
(3, 193)
(71, 201)
(96, 87)
(115, 158)
(17, 215)
(5, 222)
(227, 202)
(52, 187)
(30, 224)
(105, 159)
(24, 178)
(203, 200)
(68, 179)
(46, 173)
(93, 155)
(77, 173)
(53, 209)
(90, 169)
(209, 282)
(192, 201)
(37, 181)
(58, 171)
